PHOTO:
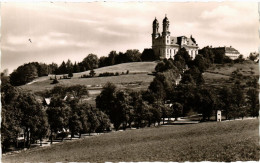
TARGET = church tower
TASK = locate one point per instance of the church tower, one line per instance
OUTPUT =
(155, 33)
(166, 33)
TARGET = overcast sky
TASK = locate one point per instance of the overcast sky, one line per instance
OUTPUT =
(61, 31)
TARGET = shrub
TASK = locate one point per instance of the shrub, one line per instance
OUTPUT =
(70, 74)
(107, 74)
(55, 81)
(85, 76)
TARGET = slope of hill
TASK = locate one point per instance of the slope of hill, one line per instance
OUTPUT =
(138, 77)
(219, 74)
(213, 141)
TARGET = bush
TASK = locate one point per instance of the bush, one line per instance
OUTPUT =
(107, 74)
(85, 76)
(55, 81)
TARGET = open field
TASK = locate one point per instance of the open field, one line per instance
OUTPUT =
(137, 77)
(214, 141)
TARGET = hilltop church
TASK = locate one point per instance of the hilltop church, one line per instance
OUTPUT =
(166, 46)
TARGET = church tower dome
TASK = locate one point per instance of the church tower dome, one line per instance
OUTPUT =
(166, 20)
(155, 22)
(166, 24)
(155, 26)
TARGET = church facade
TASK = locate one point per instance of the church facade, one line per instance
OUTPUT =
(167, 46)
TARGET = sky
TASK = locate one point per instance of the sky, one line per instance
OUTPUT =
(54, 32)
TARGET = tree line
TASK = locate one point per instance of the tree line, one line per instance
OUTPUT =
(29, 71)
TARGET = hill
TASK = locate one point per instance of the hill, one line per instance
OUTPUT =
(138, 77)
(219, 74)
(214, 141)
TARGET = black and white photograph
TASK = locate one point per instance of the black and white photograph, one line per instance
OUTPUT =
(132, 81)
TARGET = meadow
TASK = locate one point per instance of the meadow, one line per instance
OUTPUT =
(213, 141)
(139, 77)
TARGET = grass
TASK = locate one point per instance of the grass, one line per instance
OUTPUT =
(213, 141)
(138, 76)
(220, 74)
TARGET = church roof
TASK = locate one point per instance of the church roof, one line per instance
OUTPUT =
(228, 49)
(178, 40)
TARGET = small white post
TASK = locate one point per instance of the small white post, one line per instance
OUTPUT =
(219, 115)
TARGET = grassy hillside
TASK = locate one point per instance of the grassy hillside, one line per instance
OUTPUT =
(215, 141)
(138, 77)
(220, 74)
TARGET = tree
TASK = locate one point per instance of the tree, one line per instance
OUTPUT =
(112, 56)
(33, 118)
(90, 62)
(160, 67)
(93, 119)
(201, 63)
(240, 59)
(187, 79)
(75, 123)
(58, 115)
(103, 61)
(141, 110)
(207, 52)
(133, 55)
(70, 74)
(52, 68)
(239, 109)
(104, 122)
(182, 53)
(77, 91)
(226, 101)
(104, 100)
(253, 102)
(148, 55)
(156, 113)
(184, 94)
(76, 68)
(157, 87)
(92, 73)
(177, 110)
(10, 116)
(253, 56)
(63, 68)
(206, 102)
(23, 74)
(83, 110)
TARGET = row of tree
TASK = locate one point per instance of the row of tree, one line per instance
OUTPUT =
(29, 71)
(127, 107)
(25, 113)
